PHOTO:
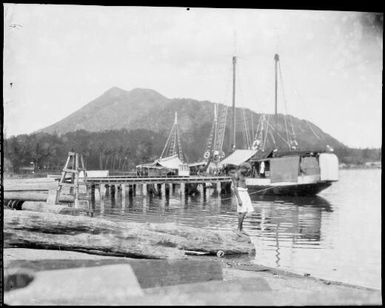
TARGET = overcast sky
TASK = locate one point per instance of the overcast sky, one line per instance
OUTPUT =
(58, 58)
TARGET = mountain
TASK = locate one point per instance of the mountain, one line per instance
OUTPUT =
(148, 109)
(114, 109)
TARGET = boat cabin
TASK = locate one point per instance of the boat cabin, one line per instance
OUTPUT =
(288, 166)
(168, 166)
(196, 168)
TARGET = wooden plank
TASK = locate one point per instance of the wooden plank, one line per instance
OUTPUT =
(70, 170)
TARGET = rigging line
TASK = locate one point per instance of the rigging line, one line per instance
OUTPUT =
(180, 151)
(287, 131)
(246, 122)
(173, 143)
(256, 135)
(172, 146)
(210, 139)
(241, 99)
(252, 127)
(222, 127)
(252, 123)
(267, 129)
(226, 112)
(284, 95)
(216, 112)
(322, 136)
(308, 124)
(285, 102)
(303, 103)
(279, 135)
(177, 145)
(251, 193)
(168, 139)
(243, 131)
(246, 129)
(244, 135)
(272, 138)
(249, 134)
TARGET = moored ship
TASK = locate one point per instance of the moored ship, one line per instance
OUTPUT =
(279, 171)
(295, 173)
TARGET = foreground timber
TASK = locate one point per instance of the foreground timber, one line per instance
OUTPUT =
(100, 236)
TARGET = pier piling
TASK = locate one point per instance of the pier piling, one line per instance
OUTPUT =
(163, 190)
(124, 191)
(218, 188)
(112, 191)
(102, 189)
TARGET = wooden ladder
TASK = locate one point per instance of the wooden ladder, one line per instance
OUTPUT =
(74, 165)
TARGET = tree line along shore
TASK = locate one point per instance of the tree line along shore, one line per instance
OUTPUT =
(123, 150)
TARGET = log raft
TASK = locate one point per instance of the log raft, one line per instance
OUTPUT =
(129, 239)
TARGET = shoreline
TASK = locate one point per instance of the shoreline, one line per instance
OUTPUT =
(299, 289)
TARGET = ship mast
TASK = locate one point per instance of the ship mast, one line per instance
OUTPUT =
(276, 59)
(173, 142)
(233, 143)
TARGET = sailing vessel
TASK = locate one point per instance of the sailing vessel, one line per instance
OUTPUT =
(282, 172)
(171, 160)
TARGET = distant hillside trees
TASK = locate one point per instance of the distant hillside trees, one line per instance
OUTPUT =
(114, 150)
(123, 150)
(358, 156)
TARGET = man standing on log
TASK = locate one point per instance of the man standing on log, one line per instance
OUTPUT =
(242, 197)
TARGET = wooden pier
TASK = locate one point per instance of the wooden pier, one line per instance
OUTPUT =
(158, 185)
(40, 189)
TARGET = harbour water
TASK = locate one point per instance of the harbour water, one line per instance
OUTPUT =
(335, 235)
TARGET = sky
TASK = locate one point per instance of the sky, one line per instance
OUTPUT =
(57, 58)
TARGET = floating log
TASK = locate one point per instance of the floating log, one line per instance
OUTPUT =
(130, 239)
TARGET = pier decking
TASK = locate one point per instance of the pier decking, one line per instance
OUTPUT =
(158, 180)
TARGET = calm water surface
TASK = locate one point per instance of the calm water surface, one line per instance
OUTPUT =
(335, 235)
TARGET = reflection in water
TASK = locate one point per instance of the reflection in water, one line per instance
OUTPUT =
(318, 235)
(277, 246)
(287, 223)
(307, 201)
(274, 219)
